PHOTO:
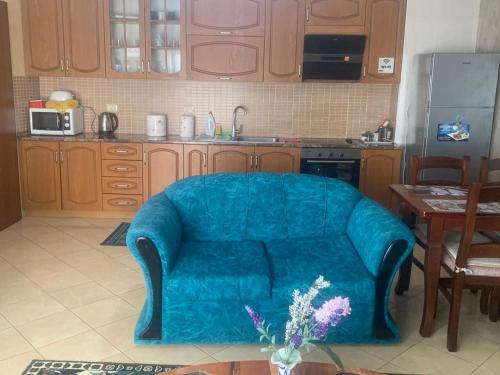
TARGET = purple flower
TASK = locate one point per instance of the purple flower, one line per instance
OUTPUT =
(296, 340)
(257, 320)
(333, 311)
(321, 331)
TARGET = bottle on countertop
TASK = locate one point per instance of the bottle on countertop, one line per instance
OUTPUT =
(210, 125)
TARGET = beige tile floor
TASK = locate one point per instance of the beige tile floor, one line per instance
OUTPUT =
(62, 296)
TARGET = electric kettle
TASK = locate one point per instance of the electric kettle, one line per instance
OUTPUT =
(108, 123)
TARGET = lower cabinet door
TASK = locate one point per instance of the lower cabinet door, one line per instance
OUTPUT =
(379, 169)
(40, 175)
(277, 159)
(162, 166)
(230, 159)
(195, 160)
(81, 176)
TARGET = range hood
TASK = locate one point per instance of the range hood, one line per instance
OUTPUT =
(333, 57)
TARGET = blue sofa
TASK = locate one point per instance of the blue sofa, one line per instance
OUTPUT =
(210, 245)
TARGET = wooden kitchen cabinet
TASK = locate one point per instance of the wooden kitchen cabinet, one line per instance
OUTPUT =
(195, 160)
(385, 28)
(81, 176)
(43, 37)
(225, 58)
(40, 175)
(277, 160)
(226, 17)
(379, 169)
(84, 38)
(284, 47)
(64, 37)
(230, 159)
(162, 166)
(334, 13)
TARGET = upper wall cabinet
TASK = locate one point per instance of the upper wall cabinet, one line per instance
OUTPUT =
(335, 12)
(145, 38)
(64, 37)
(226, 17)
(284, 40)
(385, 36)
(225, 58)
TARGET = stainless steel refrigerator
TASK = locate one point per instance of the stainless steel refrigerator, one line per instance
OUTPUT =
(459, 109)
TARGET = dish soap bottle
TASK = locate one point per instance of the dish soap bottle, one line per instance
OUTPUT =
(210, 125)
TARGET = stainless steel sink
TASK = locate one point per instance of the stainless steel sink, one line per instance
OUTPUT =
(257, 139)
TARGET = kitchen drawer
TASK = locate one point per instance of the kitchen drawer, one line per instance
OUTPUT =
(121, 151)
(117, 185)
(121, 168)
(118, 202)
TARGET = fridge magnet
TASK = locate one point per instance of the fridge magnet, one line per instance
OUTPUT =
(386, 65)
(458, 131)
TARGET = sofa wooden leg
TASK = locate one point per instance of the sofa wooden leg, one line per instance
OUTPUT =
(391, 258)
(404, 277)
(153, 262)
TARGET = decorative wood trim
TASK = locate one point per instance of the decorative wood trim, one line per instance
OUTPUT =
(152, 262)
(354, 15)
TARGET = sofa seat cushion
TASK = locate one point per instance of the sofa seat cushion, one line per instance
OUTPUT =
(295, 264)
(220, 271)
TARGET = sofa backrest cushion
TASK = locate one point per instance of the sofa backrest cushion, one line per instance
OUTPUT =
(262, 206)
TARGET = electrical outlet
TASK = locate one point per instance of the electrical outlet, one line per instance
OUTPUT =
(112, 108)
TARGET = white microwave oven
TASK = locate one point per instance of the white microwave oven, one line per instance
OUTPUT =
(47, 121)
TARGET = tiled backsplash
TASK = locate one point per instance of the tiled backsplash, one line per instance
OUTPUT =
(25, 89)
(295, 110)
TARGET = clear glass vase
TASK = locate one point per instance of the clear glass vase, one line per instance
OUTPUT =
(283, 370)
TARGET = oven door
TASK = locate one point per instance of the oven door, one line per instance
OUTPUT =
(45, 122)
(345, 170)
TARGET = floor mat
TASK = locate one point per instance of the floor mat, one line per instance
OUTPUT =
(43, 367)
(118, 237)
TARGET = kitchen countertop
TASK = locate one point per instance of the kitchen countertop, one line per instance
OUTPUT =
(173, 139)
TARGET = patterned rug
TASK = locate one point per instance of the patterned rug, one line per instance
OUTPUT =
(118, 237)
(43, 367)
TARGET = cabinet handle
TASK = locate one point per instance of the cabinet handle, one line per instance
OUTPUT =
(251, 161)
(142, 66)
(120, 151)
(364, 71)
(300, 70)
(145, 158)
(256, 161)
(308, 14)
(56, 157)
(123, 203)
(149, 66)
(225, 78)
(67, 65)
(205, 159)
(61, 65)
(61, 156)
(120, 169)
(225, 32)
(363, 163)
(121, 186)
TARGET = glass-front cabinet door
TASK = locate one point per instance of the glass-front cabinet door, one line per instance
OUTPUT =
(125, 38)
(165, 39)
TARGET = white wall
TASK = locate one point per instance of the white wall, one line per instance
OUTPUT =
(431, 26)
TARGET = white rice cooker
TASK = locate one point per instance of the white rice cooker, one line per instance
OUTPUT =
(156, 125)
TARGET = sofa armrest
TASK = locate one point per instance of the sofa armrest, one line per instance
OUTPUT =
(373, 229)
(159, 222)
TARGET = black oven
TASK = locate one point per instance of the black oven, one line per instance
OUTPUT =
(339, 163)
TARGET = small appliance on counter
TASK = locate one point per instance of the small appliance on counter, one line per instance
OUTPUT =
(51, 121)
(107, 123)
(383, 135)
(156, 125)
(187, 126)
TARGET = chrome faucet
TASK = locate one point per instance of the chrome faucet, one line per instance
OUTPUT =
(235, 118)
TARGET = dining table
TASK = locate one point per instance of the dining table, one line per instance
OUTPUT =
(442, 208)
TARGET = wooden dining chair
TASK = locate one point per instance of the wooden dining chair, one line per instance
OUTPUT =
(421, 164)
(490, 298)
(417, 167)
(471, 265)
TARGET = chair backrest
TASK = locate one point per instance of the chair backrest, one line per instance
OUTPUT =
(418, 165)
(487, 167)
(262, 206)
(478, 220)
